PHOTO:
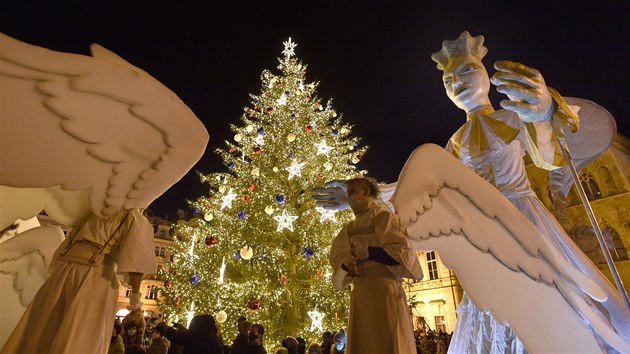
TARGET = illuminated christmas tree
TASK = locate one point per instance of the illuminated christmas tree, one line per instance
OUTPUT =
(261, 248)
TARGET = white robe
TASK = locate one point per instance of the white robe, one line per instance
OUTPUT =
(379, 316)
(493, 145)
(73, 312)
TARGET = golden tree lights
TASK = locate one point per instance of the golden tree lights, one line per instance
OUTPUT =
(268, 258)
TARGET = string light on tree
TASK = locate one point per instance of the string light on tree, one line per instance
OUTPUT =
(286, 143)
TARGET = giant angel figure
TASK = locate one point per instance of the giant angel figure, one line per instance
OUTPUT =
(527, 286)
(91, 141)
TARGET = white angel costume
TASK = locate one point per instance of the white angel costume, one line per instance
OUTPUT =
(493, 144)
(522, 274)
(92, 141)
(68, 298)
(379, 316)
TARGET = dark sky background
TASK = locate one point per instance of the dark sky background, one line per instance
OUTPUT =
(372, 58)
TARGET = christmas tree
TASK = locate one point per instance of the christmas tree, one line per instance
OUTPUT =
(261, 248)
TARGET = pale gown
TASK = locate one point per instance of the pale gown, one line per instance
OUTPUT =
(379, 316)
(73, 312)
(493, 144)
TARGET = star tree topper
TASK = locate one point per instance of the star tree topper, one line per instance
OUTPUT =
(228, 199)
(288, 48)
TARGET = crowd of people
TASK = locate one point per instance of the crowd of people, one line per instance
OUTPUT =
(203, 335)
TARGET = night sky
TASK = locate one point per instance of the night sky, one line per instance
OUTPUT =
(372, 58)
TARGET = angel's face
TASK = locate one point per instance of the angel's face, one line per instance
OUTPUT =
(466, 82)
(358, 196)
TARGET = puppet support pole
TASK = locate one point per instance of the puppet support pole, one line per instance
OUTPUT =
(596, 228)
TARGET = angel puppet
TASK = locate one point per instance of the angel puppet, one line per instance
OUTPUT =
(92, 141)
(527, 286)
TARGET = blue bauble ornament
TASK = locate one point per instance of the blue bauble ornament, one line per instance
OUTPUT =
(261, 131)
(293, 115)
(288, 93)
(280, 198)
(241, 214)
(334, 132)
(196, 210)
(231, 165)
(237, 255)
(308, 252)
(194, 279)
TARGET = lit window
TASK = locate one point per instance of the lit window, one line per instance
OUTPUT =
(432, 265)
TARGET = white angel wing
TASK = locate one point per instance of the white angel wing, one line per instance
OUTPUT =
(91, 123)
(505, 265)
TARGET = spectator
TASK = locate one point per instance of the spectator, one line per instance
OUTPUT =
(159, 344)
(116, 345)
(256, 338)
(132, 339)
(327, 342)
(200, 338)
(241, 343)
(291, 344)
(339, 345)
(301, 349)
(316, 349)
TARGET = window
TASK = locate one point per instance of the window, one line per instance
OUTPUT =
(440, 324)
(162, 251)
(432, 265)
(127, 292)
(157, 251)
(618, 251)
(151, 293)
(590, 187)
(162, 234)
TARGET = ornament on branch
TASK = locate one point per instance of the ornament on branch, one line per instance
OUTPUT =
(308, 252)
(253, 305)
(211, 241)
(241, 214)
(247, 253)
(269, 210)
(221, 316)
(316, 318)
(283, 279)
(285, 221)
(194, 279)
(246, 198)
(280, 198)
(208, 217)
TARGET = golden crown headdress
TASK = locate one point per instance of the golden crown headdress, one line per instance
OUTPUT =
(464, 44)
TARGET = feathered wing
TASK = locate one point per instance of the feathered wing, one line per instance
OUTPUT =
(91, 123)
(505, 265)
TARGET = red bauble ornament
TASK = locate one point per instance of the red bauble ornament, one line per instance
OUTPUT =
(231, 149)
(251, 187)
(308, 128)
(253, 304)
(211, 241)
(257, 150)
(246, 198)
(284, 279)
(270, 110)
(318, 272)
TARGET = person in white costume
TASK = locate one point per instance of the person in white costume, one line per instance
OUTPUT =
(492, 144)
(373, 253)
(109, 140)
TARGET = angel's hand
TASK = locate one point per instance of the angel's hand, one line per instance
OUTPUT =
(332, 196)
(526, 89)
